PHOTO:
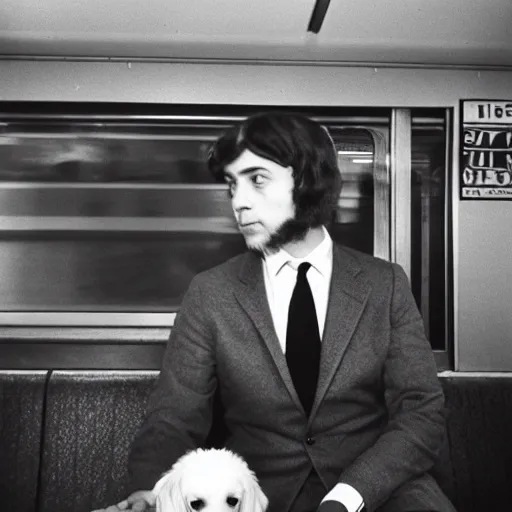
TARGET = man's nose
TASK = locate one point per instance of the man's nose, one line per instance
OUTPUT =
(240, 199)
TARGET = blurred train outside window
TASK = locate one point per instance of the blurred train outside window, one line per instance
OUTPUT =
(107, 212)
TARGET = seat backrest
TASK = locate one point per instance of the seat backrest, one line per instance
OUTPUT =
(21, 421)
(91, 420)
(92, 417)
(479, 427)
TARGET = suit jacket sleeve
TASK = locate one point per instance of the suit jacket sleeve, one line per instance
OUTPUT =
(415, 403)
(180, 409)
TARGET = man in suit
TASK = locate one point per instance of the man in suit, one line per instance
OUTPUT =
(318, 351)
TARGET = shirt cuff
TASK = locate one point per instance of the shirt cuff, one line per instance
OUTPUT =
(346, 495)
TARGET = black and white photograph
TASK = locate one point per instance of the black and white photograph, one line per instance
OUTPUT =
(255, 256)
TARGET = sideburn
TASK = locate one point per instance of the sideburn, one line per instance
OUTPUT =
(292, 230)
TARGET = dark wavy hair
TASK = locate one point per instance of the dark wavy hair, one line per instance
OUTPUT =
(288, 140)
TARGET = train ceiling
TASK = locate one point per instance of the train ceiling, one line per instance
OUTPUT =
(431, 32)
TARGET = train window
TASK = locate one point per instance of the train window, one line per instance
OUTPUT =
(105, 220)
(97, 218)
(106, 215)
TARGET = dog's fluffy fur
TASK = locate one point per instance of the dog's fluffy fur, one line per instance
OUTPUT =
(209, 481)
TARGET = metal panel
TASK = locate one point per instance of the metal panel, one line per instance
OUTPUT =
(86, 319)
(401, 188)
(381, 229)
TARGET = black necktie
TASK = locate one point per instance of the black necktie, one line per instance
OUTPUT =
(303, 340)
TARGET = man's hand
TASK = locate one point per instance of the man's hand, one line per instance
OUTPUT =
(139, 501)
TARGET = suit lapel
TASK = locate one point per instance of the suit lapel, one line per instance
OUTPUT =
(252, 297)
(347, 298)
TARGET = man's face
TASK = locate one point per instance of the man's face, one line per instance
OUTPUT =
(261, 196)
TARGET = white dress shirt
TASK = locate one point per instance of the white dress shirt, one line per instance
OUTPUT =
(280, 273)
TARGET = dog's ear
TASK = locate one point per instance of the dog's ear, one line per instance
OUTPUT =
(169, 497)
(253, 500)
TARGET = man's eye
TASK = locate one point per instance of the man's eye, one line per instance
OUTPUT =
(197, 504)
(232, 501)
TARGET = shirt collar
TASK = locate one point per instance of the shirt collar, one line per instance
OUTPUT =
(320, 257)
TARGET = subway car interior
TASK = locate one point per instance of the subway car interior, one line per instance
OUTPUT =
(107, 208)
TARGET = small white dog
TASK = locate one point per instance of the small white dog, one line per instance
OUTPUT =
(209, 481)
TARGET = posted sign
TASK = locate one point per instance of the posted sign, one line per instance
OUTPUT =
(486, 149)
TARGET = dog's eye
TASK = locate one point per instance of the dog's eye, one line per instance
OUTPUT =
(232, 501)
(197, 504)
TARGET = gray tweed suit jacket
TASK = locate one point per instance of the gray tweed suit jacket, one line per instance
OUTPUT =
(377, 421)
